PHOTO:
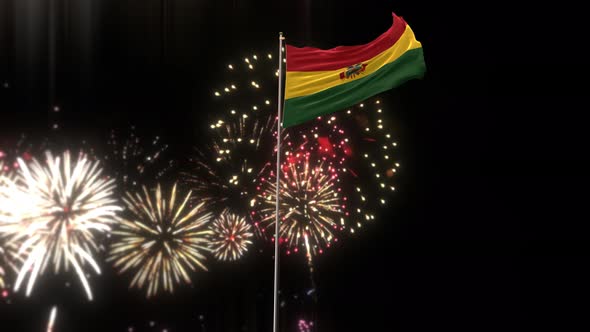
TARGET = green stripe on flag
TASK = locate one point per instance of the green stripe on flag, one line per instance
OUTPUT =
(301, 109)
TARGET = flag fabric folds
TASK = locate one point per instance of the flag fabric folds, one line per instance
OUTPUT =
(320, 81)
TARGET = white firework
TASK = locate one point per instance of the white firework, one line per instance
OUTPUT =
(231, 236)
(55, 210)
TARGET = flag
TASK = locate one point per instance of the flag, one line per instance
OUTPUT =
(321, 81)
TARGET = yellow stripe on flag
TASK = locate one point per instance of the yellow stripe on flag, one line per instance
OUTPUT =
(303, 83)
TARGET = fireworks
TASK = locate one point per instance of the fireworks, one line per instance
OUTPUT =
(231, 236)
(311, 205)
(226, 174)
(134, 160)
(358, 144)
(3, 254)
(355, 145)
(243, 137)
(54, 210)
(160, 238)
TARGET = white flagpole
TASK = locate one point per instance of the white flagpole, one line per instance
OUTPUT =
(275, 317)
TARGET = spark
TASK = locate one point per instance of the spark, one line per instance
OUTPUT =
(134, 159)
(52, 316)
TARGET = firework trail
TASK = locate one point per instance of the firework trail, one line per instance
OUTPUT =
(55, 210)
(160, 238)
(231, 236)
(2, 273)
(52, 316)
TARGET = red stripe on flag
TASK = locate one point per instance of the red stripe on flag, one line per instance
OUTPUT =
(315, 59)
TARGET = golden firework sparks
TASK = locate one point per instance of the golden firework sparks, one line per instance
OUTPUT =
(161, 239)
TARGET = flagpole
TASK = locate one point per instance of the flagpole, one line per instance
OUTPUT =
(275, 317)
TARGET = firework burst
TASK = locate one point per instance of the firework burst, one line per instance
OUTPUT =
(311, 207)
(231, 236)
(55, 210)
(161, 239)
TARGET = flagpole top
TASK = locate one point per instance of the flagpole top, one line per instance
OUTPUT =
(281, 37)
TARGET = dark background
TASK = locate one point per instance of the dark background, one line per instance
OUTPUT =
(486, 232)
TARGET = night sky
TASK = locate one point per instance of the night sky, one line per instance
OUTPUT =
(473, 241)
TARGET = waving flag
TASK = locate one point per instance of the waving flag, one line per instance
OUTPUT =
(320, 81)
